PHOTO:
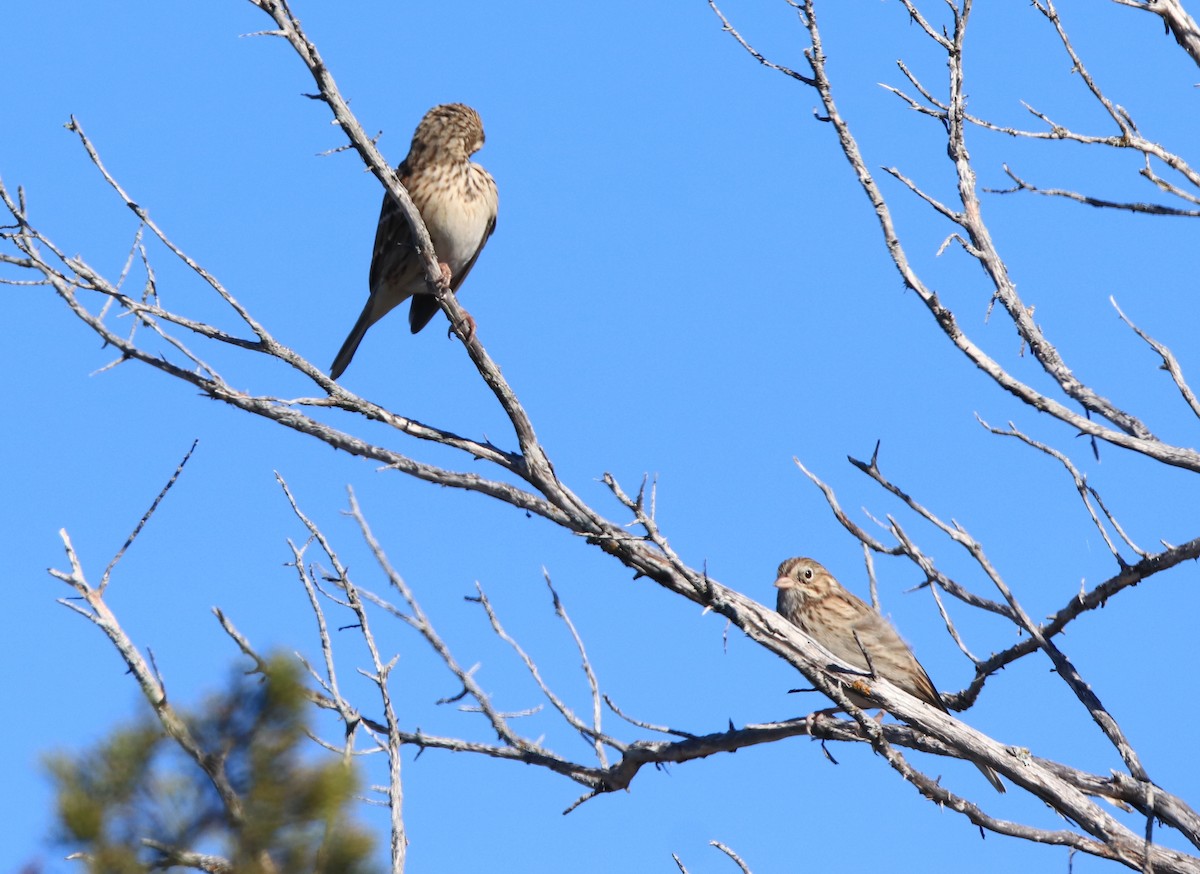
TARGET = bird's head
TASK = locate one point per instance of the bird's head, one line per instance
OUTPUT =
(449, 132)
(803, 578)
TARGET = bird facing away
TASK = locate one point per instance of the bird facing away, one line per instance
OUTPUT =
(816, 603)
(457, 200)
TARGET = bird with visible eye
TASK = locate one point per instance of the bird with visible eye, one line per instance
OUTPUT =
(458, 202)
(816, 603)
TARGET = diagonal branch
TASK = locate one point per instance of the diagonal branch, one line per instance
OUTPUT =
(1129, 432)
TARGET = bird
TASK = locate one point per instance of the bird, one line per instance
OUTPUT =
(457, 200)
(816, 603)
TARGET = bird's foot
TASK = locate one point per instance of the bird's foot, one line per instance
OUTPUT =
(810, 721)
(468, 333)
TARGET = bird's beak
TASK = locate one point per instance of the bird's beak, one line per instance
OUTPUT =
(785, 583)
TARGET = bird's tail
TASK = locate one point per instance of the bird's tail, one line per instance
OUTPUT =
(342, 360)
(423, 308)
(991, 775)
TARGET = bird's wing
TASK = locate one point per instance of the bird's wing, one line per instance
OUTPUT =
(393, 239)
(847, 646)
(892, 658)
(392, 263)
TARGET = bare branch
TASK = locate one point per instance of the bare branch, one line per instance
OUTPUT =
(593, 734)
(1129, 431)
(173, 723)
(1181, 25)
(1170, 362)
(1141, 207)
(104, 578)
(1086, 492)
(737, 860)
(585, 663)
(382, 671)
(728, 28)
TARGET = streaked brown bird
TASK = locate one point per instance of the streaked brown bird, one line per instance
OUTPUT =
(816, 603)
(457, 200)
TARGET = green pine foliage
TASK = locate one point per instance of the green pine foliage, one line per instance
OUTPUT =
(136, 801)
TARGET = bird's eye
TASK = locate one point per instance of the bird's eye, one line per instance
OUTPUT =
(808, 573)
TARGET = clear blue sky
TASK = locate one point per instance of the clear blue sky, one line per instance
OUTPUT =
(685, 281)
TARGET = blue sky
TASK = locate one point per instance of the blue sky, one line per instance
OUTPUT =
(685, 282)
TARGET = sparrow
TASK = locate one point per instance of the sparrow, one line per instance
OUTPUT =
(816, 603)
(457, 200)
